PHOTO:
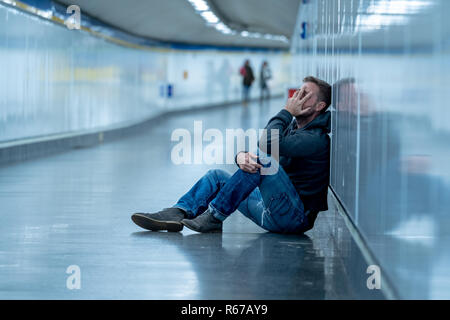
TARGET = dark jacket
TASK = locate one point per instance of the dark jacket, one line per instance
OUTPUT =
(305, 156)
(248, 77)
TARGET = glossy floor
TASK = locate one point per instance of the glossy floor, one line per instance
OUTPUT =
(74, 209)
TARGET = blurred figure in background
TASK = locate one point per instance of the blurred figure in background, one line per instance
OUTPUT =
(247, 80)
(264, 76)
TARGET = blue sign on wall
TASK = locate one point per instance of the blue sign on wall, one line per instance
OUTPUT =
(39, 4)
(303, 33)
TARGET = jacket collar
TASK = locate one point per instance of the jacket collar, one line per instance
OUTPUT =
(322, 121)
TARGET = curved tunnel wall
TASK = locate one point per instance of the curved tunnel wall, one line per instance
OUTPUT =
(54, 80)
(389, 62)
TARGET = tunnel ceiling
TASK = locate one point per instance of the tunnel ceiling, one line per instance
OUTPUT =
(177, 21)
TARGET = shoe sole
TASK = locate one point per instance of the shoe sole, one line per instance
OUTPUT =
(212, 231)
(156, 225)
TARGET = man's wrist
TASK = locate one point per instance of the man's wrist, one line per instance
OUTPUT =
(235, 158)
(287, 109)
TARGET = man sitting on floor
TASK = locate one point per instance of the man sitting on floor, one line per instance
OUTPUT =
(287, 201)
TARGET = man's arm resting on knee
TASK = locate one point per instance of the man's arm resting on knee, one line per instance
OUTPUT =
(247, 162)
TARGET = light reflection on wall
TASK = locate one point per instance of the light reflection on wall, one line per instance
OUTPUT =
(54, 80)
(389, 63)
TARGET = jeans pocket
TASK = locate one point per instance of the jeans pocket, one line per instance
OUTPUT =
(284, 216)
(279, 205)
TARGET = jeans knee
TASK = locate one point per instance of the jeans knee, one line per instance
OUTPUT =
(218, 175)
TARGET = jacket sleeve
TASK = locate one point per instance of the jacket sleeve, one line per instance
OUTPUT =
(293, 144)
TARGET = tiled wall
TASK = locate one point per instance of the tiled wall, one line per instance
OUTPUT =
(389, 62)
(55, 80)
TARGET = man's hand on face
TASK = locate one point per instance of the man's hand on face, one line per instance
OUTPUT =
(247, 162)
(296, 102)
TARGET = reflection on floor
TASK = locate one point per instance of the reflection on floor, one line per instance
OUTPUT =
(74, 209)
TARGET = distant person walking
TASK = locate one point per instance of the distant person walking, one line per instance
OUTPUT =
(247, 80)
(264, 76)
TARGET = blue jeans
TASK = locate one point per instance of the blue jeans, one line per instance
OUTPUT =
(270, 201)
(245, 93)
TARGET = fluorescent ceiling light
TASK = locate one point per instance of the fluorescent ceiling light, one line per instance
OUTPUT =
(222, 28)
(244, 33)
(199, 5)
(202, 8)
(209, 16)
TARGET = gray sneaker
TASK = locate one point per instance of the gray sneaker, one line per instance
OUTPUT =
(166, 219)
(205, 222)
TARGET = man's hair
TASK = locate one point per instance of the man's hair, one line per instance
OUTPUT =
(324, 90)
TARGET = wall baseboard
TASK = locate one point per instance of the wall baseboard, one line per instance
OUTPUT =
(31, 148)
